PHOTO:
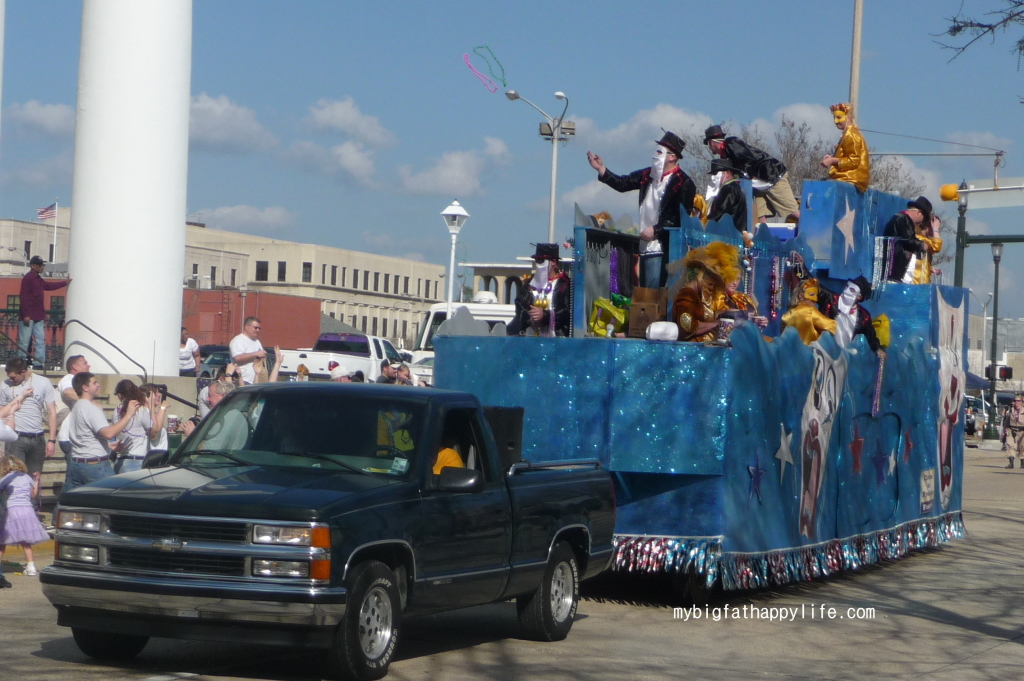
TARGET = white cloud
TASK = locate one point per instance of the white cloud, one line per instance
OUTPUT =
(42, 173)
(347, 161)
(345, 117)
(51, 120)
(643, 129)
(218, 124)
(595, 197)
(456, 173)
(981, 139)
(245, 218)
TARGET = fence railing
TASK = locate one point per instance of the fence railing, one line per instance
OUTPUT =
(10, 319)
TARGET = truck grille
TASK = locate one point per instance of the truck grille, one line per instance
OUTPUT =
(147, 527)
(186, 563)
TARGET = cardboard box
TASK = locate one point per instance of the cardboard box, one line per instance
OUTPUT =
(642, 315)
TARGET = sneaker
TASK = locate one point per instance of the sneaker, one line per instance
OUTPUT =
(4, 584)
(30, 571)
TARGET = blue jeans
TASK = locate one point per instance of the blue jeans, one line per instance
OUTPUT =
(35, 331)
(126, 465)
(650, 271)
(83, 473)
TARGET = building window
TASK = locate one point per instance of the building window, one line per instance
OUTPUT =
(51, 253)
(384, 327)
(13, 302)
(28, 249)
(307, 273)
(233, 278)
(344, 271)
(213, 276)
(405, 288)
(387, 282)
(262, 270)
(355, 280)
(195, 268)
(366, 280)
(323, 274)
(57, 303)
(374, 327)
(332, 315)
(405, 328)
(354, 322)
(282, 269)
(376, 281)
(334, 276)
(364, 323)
(419, 286)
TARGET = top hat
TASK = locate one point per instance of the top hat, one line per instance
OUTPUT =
(671, 141)
(720, 164)
(714, 132)
(546, 252)
(864, 285)
(923, 205)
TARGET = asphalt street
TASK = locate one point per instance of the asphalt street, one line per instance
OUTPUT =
(950, 613)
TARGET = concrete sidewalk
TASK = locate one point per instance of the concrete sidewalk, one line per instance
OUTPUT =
(953, 613)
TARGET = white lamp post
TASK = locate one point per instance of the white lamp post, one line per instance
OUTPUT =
(454, 217)
(557, 132)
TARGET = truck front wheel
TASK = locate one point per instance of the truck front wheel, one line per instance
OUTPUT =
(547, 614)
(368, 634)
(102, 645)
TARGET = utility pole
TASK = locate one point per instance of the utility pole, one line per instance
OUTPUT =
(858, 12)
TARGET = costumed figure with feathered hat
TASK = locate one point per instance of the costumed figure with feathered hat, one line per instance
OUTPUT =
(694, 308)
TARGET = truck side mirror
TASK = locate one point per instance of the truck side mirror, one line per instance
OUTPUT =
(156, 458)
(459, 480)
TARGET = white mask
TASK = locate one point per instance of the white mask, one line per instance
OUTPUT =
(658, 163)
(540, 278)
(849, 297)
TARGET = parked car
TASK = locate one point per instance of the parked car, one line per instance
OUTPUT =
(318, 522)
(354, 351)
(975, 415)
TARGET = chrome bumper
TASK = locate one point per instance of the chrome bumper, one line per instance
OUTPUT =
(194, 599)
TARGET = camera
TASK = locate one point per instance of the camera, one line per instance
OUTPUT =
(162, 387)
(195, 420)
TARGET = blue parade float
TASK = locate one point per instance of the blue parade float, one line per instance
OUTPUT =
(762, 463)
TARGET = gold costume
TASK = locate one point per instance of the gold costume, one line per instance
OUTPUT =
(697, 304)
(923, 268)
(808, 321)
(854, 162)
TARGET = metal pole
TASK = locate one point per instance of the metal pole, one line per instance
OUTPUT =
(451, 278)
(991, 431)
(961, 244)
(858, 11)
(556, 129)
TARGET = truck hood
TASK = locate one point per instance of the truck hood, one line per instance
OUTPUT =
(229, 491)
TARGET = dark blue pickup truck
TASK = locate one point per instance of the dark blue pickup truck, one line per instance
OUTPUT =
(321, 515)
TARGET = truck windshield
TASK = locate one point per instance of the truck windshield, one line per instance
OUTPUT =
(431, 321)
(314, 429)
(345, 344)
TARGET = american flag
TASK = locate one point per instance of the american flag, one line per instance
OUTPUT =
(48, 213)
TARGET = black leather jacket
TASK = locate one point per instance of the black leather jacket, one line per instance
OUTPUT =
(901, 227)
(757, 164)
(678, 194)
(730, 201)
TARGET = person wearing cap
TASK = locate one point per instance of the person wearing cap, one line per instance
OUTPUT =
(32, 310)
(542, 306)
(850, 162)
(666, 193)
(906, 247)
(388, 372)
(730, 199)
(772, 193)
(850, 316)
(339, 374)
(1013, 431)
(927, 234)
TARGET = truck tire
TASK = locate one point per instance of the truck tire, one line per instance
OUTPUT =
(365, 642)
(102, 645)
(547, 614)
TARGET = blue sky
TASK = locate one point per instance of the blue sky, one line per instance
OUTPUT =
(355, 124)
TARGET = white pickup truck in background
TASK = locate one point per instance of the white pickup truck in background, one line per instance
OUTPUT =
(354, 351)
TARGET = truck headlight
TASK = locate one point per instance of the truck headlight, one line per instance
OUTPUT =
(78, 520)
(318, 536)
(280, 568)
(80, 554)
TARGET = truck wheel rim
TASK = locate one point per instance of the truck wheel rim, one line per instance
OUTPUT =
(562, 592)
(375, 623)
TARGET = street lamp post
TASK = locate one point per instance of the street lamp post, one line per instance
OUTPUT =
(961, 234)
(454, 217)
(991, 431)
(984, 323)
(556, 132)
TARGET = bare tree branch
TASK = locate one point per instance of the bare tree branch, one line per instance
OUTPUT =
(998, 20)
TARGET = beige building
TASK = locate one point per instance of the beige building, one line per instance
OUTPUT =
(378, 294)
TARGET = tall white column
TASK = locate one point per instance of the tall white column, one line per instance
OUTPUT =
(129, 188)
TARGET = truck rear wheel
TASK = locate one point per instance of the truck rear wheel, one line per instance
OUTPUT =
(367, 636)
(547, 614)
(102, 645)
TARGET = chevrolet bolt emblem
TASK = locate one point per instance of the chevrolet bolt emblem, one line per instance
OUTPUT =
(168, 544)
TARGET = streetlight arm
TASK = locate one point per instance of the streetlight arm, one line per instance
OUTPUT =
(564, 109)
(541, 111)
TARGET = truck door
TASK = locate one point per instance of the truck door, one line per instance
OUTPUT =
(466, 537)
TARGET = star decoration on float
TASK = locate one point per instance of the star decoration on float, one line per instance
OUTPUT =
(856, 447)
(784, 455)
(845, 227)
(892, 462)
(879, 459)
(908, 448)
(756, 473)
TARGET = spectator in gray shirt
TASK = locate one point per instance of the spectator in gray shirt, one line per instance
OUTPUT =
(36, 422)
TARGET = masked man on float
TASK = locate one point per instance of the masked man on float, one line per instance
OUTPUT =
(850, 317)
(850, 162)
(542, 307)
(666, 193)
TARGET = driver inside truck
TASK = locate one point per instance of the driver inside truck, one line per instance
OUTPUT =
(448, 456)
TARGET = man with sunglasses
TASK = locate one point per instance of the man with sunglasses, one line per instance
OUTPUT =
(246, 349)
